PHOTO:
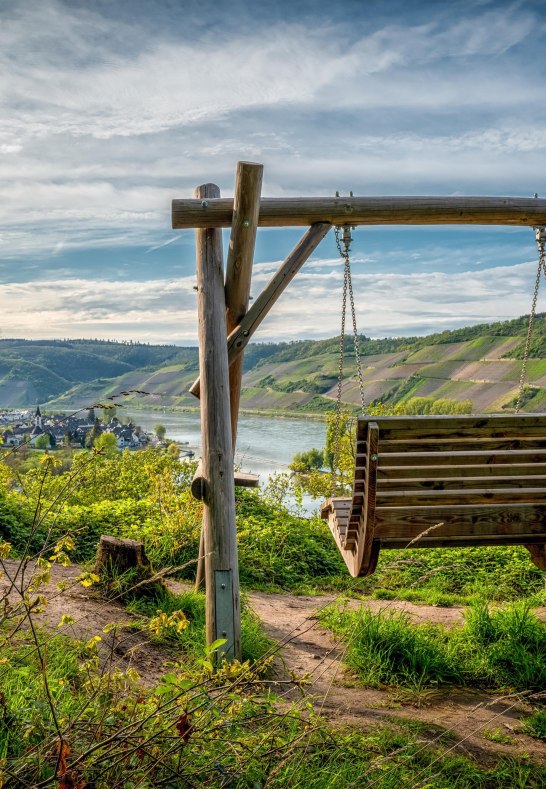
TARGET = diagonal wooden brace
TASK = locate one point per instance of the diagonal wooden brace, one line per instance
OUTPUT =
(240, 336)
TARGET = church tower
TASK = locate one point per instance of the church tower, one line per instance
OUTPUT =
(38, 417)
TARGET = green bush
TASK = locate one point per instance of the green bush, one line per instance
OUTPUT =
(279, 549)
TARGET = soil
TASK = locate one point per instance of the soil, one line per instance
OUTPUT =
(305, 649)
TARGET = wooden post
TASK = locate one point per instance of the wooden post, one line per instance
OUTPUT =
(223, 612)
(246, 207)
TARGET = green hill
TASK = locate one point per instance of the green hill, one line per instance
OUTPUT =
(479, 363)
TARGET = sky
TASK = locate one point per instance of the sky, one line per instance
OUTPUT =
(111, 110)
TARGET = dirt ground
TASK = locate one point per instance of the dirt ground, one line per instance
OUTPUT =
(304, 648)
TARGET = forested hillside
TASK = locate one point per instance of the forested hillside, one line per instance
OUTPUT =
(480, 364)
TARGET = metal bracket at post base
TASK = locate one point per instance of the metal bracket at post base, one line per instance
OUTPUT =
(225, 624)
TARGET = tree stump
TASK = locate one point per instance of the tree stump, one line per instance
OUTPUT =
(115, 555)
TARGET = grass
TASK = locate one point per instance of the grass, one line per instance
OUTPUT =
(498, 736)
(195, 729)
(535, 725)
(192, 639)
(495, 648)
(456, 576)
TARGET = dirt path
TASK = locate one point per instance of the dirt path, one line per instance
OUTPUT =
(310, 649)
(307, 649)
(91, 613)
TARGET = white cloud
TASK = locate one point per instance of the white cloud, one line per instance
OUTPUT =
(104, 122)
(162, 310)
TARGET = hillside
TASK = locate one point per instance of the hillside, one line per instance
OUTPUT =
(480, 363)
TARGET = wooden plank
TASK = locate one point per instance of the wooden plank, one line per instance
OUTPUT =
(386, 473)
(464, 458)
(364, 533)
(383, 210)
(436, 498)
(246, 207)
(459, 445)
(465, 541)
(219, 509)
(439, 445)
(464, 433)
(240, 337)
(470, 421)
(405, 523)
(456, 483)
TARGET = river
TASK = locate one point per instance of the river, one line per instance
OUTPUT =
(265, 445)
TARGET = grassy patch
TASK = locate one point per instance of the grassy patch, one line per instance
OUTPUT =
(535, 725)
(118, 733)
(502, 648)
(192, 638)
(456, 576)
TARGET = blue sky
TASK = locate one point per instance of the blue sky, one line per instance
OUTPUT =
(109, 110)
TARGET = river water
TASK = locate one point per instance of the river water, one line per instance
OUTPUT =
(265, 445)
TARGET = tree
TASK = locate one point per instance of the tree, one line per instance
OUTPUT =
(160, 431)
(42, 442)
(93, 434)
(307, 461)
(107, 443)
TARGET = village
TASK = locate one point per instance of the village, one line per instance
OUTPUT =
(52, 431)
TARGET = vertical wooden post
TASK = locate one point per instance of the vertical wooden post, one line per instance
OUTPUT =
(246, 210)
(223, 612)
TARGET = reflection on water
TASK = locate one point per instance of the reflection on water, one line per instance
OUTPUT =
(265, 445)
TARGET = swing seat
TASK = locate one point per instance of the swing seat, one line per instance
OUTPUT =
(440, 481)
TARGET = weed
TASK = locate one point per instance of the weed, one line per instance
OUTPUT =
(192, 638)
(503, 648)
(499, 736)
(535, 725)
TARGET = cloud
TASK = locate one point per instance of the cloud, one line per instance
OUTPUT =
(161, 310)
(108, 116)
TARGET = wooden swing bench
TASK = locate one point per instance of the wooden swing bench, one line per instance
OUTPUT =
(439, 481)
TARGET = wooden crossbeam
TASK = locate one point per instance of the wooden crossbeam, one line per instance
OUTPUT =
(411, 210)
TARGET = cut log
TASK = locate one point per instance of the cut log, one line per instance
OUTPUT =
(199, 485)
(119, 555)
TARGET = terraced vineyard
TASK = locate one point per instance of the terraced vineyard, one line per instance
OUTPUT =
(481, 364)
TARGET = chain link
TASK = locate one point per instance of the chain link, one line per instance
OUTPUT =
(540, 233)
(343, 243)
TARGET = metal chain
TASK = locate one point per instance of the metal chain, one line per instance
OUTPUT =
(337, 417)
(343, 243)
(540, 234)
